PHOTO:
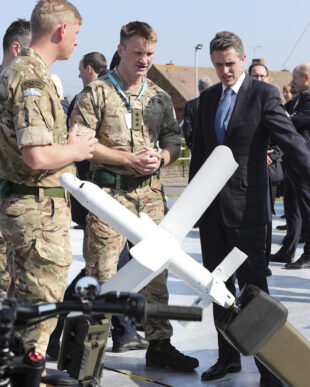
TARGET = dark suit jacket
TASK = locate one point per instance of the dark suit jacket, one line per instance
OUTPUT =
(257, 114)
(190, 114)
(301, 117)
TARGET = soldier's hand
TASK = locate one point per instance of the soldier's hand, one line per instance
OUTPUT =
(146, 161)
(83, 145)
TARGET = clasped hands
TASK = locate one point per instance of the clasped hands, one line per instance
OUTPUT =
(146, 161)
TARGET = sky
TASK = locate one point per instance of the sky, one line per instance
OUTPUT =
(269, 29)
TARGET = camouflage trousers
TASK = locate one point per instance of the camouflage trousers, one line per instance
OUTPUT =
(4, 273)
(38, 255)
(103, 245)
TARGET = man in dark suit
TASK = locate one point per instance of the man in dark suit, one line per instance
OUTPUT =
(296, 190)
(239, 214)
(259, 71)
(190, 112)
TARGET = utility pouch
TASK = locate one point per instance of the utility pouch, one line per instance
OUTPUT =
(83, 347)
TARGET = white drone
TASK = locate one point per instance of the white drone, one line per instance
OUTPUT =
(157, 247)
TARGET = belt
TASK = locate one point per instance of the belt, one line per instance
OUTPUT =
(51, 192)
(108, 179)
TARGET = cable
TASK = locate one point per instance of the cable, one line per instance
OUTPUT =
(137, 376)
(299, 39)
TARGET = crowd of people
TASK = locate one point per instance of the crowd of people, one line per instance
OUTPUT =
(119, 131)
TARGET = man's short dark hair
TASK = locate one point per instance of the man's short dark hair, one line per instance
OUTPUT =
(226, 40)
(257, 63)
(138, 28)
(96, 60)
(115, 60)
(18, 31)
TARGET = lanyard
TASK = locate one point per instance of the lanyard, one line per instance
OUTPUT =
(122, 94)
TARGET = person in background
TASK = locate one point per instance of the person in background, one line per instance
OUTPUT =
(90, 66)
(16, 36)
(287, 94)
(114, 61)
(259, 71)
(190, 112)
(63, 100)
(296, 190)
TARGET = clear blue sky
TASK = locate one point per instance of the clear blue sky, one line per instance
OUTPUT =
(275, 25)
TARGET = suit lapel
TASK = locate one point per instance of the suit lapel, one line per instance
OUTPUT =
(239, 105)
(215, 99)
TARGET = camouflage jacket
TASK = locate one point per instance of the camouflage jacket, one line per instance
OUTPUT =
(30, 114)
(100, 108)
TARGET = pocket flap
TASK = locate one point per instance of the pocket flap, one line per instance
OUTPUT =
(15, 210)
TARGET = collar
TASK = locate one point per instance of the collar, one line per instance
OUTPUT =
(305, 92)
(124, 85)
(26, 51)
(119, 79)
(236, 86)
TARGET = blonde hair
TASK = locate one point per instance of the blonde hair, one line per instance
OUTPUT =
(48, 13)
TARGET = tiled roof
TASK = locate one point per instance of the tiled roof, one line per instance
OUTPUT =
(182, 78)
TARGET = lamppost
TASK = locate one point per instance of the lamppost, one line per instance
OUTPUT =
(198, 47)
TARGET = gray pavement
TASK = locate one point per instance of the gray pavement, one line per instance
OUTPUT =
(174, 189)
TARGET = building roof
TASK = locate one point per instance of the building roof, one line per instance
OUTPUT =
(179, 81)
(183, 77)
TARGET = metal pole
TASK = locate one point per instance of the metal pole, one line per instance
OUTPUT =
(196, 72)
(197, 47)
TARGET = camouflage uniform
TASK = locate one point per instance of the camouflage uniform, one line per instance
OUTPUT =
(4, 273)
(35, 226)
(100, 108)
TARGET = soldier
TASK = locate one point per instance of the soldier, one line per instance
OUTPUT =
(16, 36)
(35, 151)
(130, 115)
(124, 334)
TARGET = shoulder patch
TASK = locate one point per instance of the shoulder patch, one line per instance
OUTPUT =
(32, 84)
(30, 92)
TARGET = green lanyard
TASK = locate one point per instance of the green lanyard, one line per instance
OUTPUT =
(122, 94)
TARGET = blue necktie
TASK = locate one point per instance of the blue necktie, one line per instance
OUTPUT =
(222, 118)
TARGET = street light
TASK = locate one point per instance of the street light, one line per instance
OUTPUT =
(198, 47)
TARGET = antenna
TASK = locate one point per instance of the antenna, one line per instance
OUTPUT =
(293, 49)
(254, 49)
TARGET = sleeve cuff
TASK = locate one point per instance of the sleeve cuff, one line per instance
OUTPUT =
(34, 136)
